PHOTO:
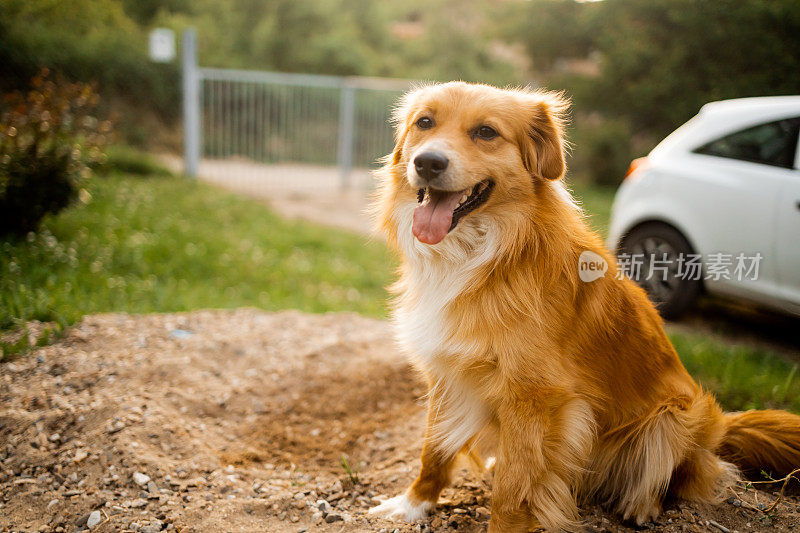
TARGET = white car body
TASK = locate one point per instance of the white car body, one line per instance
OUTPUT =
(724, 205)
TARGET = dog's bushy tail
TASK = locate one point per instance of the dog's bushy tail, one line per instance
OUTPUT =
(762, 440)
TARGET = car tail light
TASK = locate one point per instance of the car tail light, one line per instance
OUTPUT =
(638, 164)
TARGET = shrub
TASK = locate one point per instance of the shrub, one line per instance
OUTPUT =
(602, 150)
(47, 137)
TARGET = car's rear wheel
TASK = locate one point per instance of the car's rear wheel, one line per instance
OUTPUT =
(662, 261)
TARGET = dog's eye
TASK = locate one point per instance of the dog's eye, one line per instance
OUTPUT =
(486, 133)
(425, 123)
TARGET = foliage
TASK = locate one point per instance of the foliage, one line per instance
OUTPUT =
(551, 30)
(106, 41)
(604, 150)
(47, 136)
(352, 474)
(90, 41)
(656, 61)
(675, 55)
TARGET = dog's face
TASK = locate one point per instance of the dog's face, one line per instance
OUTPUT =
(464, 149)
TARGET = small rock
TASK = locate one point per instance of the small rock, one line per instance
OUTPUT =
(153, 527)
(82, 520)
(482, 513)
(331, 518)
(323, 506)
(55, 437)
(719, 526)
(94, 519)
(181, 333)
(80, 455)
(137, 503)
(141, 479)
(53, 503)
(117, 426)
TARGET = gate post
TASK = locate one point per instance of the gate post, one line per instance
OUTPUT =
(191, 104)
(346, 135)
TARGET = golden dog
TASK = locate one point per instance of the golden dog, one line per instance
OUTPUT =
(574, 385)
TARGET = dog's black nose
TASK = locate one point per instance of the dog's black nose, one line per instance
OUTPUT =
(430, 164)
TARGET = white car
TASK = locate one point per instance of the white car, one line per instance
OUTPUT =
(716, 207)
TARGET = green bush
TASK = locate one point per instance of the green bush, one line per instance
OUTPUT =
(602, 150)
(47, 136)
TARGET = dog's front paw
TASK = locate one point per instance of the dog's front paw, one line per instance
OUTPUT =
(402, 508)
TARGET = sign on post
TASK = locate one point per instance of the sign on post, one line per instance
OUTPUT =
(162, 45)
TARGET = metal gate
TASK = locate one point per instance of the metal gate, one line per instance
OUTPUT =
(275, 129)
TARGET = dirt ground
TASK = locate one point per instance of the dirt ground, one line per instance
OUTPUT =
(217, 421)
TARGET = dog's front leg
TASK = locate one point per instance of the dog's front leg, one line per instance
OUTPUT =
(453, 419)
(544, 443)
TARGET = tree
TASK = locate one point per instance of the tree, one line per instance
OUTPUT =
(663, 59)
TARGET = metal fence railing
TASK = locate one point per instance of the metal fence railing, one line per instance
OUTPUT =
(241, 123)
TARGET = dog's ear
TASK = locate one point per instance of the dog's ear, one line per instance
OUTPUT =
(542, 144)
(401, 117)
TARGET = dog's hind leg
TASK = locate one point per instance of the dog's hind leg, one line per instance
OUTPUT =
(636, 465)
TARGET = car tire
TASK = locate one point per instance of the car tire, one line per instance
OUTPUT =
(673, 293)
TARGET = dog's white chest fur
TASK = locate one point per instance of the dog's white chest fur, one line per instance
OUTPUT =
(436, 277)
(420, 322)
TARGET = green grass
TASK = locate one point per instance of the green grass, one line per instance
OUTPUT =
(596, 203)
(169, 244)
(127, 160)
(741, 377)
(162, 244)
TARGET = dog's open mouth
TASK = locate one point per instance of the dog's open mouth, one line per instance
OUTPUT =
(439, 211)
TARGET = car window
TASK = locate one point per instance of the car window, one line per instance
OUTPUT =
(773, 144)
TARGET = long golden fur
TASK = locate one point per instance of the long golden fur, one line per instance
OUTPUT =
(573, 384)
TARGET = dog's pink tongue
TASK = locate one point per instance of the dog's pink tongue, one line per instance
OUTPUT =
(433, 218)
